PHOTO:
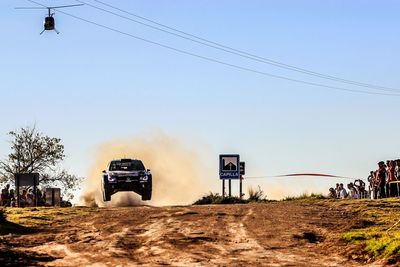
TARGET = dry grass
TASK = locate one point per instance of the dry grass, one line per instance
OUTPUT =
(305, 196)
(379, 232)
(32, 217)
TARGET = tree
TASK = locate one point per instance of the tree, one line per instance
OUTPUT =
(32, 151)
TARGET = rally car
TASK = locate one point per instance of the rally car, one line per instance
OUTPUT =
(127, 175)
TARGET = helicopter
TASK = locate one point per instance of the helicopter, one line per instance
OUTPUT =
(49, 22)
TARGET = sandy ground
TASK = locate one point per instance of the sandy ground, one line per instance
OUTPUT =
(271, 234)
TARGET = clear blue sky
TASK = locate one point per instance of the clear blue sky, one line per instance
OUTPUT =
(88, 85)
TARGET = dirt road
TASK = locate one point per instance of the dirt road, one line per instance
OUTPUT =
(271, 234)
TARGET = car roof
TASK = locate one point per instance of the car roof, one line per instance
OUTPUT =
(125, 160)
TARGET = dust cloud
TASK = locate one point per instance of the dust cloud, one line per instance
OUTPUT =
(180, 176)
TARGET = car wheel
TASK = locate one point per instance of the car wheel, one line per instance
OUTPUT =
(106, 195)
(146, 191)
(106, 191)
(146, 194)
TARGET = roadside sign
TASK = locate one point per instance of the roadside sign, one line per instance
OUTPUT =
(242, 168)
(27, 179)
(229, 166)
(53, 196)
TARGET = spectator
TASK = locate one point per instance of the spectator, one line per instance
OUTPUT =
(352, 191)
(397, 174)
(12, 198)
(392, 188)
(397, 169)
(40, 199)
(5, 195)
(342, 192)
(332, 193)
(387, 164)
(23, 199)
(380, 179)
(337, 189)
(359, 185)
(371, 186)
(30, 200)
(44, 197)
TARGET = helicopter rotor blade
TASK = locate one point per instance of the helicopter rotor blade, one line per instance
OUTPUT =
(49, 7)
(31, 8)
(55, 7)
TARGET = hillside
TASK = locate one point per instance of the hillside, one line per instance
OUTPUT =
(308, 232)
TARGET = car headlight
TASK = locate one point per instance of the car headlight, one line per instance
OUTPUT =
(144, 178)
(112, 178)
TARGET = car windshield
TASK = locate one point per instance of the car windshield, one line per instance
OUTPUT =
(134, 165)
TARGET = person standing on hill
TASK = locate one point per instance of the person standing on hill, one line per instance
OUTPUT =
(5, 195)
(397, 175)
(372, 188)
(397, 169)
(352, 191)
(23, 199)
(13, 202)
(343, 192)
(381, 179)
(332, 193)
(337, 189)
(392, 188)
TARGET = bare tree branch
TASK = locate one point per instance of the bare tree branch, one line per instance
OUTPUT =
(32, 151)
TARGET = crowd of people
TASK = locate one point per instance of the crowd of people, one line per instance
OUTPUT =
(354, 190)
(26, 199)
(383, 182)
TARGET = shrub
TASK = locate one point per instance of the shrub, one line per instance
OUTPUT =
(215, 198)
(305, 196)
(256, 195)
(211, 198)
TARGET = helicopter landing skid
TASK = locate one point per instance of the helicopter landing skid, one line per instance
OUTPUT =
(54, 30)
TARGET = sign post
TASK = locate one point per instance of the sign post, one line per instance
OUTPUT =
(241, 187)
(228, 170)
(230, 188)
(223, 188)
(53, 196)
(242, 172)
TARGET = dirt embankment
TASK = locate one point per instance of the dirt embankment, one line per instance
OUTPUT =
(271, 234)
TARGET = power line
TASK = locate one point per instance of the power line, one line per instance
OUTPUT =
(297, 175)
(231, 50)
(218, 61)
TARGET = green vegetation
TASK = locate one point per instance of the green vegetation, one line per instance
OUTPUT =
(20, 221)
(215, 198)
(33, 152)
(305, 196)
(255, 196)
(7, 227)
(378, 233)
(32, 217)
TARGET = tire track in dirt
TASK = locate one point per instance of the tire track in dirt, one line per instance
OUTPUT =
(231, 244)
(166, 240)
(222, 235)
(281, 258)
